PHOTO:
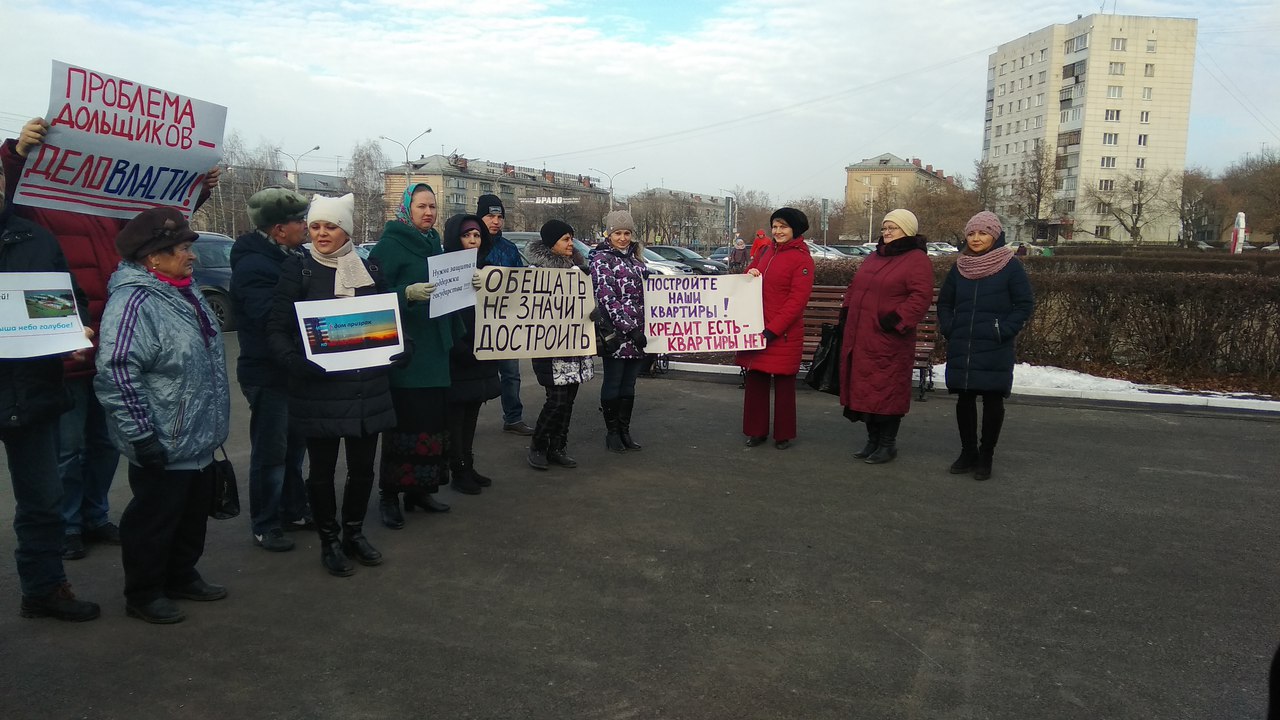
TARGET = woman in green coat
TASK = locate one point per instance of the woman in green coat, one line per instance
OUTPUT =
(415, 457)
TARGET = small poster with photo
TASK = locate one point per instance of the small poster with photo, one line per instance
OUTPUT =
(351, 333)
(38, 316)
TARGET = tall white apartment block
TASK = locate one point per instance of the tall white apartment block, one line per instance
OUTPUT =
(1111, 96)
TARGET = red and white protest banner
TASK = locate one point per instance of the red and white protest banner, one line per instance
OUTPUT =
(117, 147)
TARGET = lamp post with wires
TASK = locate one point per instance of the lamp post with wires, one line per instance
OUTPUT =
(295, 159)
(405, 147)
(611, 177)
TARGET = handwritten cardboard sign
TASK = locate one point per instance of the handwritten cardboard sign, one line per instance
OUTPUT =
(351, 333)
(117, 147)
(38, 315)
(703, 313)
(451, 272)
(534, 312)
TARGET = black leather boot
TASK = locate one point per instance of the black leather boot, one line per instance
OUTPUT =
(389, 509)
(324, 508)
(481, 480)
(966, 462)
(557, 454)
(355, 505)
(612, 438)
(967, 425)
(419, 497)
(625, 406)
(888, 447)
(982, 468)
(538, 452)
(873, 440)
(463, 482)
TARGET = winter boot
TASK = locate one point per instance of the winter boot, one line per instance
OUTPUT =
(982, 469)
(966, 462)
(612, 438)
(355, 505)
(538, 452)
(324, 508)
(625, 406)
(873, 440)
(463, 482)
(481, 480)
(888, 441)
(556, 453)
(389, 509)
(967, 424)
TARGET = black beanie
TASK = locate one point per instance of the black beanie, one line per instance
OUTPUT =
(553, 230)
(793, 218)
(490, 205)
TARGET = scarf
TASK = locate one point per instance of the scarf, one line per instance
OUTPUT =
(976, 267)
(183, 286)
(351, 273)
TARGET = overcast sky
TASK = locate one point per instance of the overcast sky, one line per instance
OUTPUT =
(773, 95)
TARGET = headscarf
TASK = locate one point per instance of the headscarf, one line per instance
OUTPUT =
(402, 212)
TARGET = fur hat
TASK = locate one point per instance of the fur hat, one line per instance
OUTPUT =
(276, 205)
(553, 230)
(490, 205)
(986, 222)
(338, 210)
(151, 231)
(794, 219)
(618, 220)
(904, 219)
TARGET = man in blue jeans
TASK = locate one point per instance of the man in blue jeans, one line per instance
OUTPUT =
(504, 253)
(277, 493)
(32, 397)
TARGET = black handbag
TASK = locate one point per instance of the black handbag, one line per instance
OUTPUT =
(608, 339)
(824, 372)
(226, 494)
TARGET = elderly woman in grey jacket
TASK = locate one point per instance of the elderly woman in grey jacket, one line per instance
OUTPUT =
(162, 381)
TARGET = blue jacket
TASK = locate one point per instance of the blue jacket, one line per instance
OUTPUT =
(504, 253)
(160, 370)
(255, 270)
(980, 319)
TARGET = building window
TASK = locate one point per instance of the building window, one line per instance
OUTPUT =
(506, 190)
(458, 198)
(1151, 46)
(1043, 54)
(991, 72)
(1149, 70)
(1106, 184)
(1108, 161)
(1002, 66)
(1039, 99)
(1103, 232)
(1140, 163)
(1142, 140)
(1146, 93)
(1144, 117)
(1000, 90)
(1102, 208)
(1039, 121)
(1113, 116)
(1000, 110)
(1136, 209)
(486, 187)
(1062, 116)
(1069, 183)
(999, 130)
(1118, 44)
(1137, 186)
(1115, 92)
(1115, 68)
(1042, 77)
(1110, 138)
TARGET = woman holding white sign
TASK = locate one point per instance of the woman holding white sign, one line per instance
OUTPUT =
(617, 272)
(331, 408)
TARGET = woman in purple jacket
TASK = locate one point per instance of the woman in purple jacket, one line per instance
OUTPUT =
(617, 271)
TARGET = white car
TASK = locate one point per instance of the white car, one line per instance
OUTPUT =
(942, 248)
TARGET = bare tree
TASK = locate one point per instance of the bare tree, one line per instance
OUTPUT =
(244, 172)
(366, 179)
(985, 184)
(1254, 184)
(1202, 207)
(1134, 200)
(1031, 192)
(942, 210)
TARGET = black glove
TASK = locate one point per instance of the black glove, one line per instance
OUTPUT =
(769, 335)
(150, 452)
(637, 336)
(889, 323)
(302, 367)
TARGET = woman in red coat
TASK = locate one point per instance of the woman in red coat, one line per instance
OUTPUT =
(786, 271)
(887, 298)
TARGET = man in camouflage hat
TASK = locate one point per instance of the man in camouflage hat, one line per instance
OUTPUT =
(277, 493)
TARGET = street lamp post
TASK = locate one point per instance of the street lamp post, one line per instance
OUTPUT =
(611, 177)
(733, 195)
(405, 147)
(871, 204)
(295, 159)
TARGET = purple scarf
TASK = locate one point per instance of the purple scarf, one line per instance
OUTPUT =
(976, 267)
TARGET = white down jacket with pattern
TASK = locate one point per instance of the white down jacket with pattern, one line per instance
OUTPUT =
(158, 370)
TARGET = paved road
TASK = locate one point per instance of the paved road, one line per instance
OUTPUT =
(1121, 564)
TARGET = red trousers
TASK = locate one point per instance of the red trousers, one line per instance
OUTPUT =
(755, 406)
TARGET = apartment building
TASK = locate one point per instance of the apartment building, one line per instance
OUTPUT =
(1110, 97)
(866, 180)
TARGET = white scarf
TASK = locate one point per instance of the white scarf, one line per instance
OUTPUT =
(351, 270)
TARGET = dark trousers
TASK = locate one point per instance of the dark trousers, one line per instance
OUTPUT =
(324, 458)
(620, 377)
(32, 452)
(755, 406)
(967, 419)
(162, 530)
(276, 491)
(552, 430)
(86, 459)
(462, 430)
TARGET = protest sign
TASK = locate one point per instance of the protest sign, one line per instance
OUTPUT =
(38, 315)
(703, 313)
(116, 147)
(451, 272)
(351, 333)
(534, 312)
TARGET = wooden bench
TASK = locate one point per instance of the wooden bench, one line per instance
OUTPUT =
(824, 307)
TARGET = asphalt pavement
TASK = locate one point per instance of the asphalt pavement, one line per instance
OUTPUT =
(1121, 563)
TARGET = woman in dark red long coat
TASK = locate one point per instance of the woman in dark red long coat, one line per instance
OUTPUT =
(786, 271)
(888, 297)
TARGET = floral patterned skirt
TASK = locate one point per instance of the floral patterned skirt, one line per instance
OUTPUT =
(415, 453)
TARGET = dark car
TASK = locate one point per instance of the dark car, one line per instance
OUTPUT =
(685, 256)
(721, 254)
(213, 275)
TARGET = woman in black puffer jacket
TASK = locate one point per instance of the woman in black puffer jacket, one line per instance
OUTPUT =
(472, 381)
(330, 407)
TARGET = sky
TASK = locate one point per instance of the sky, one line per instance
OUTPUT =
(770, 95)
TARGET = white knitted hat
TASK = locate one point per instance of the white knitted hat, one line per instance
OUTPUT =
(338, 210)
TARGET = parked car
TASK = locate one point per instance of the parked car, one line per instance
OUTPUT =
(720, 254)
(1273, 247)
(212, 274)
(685, 256)
(942, 248)
(853, 250)
(657, 264)
(826, 252)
